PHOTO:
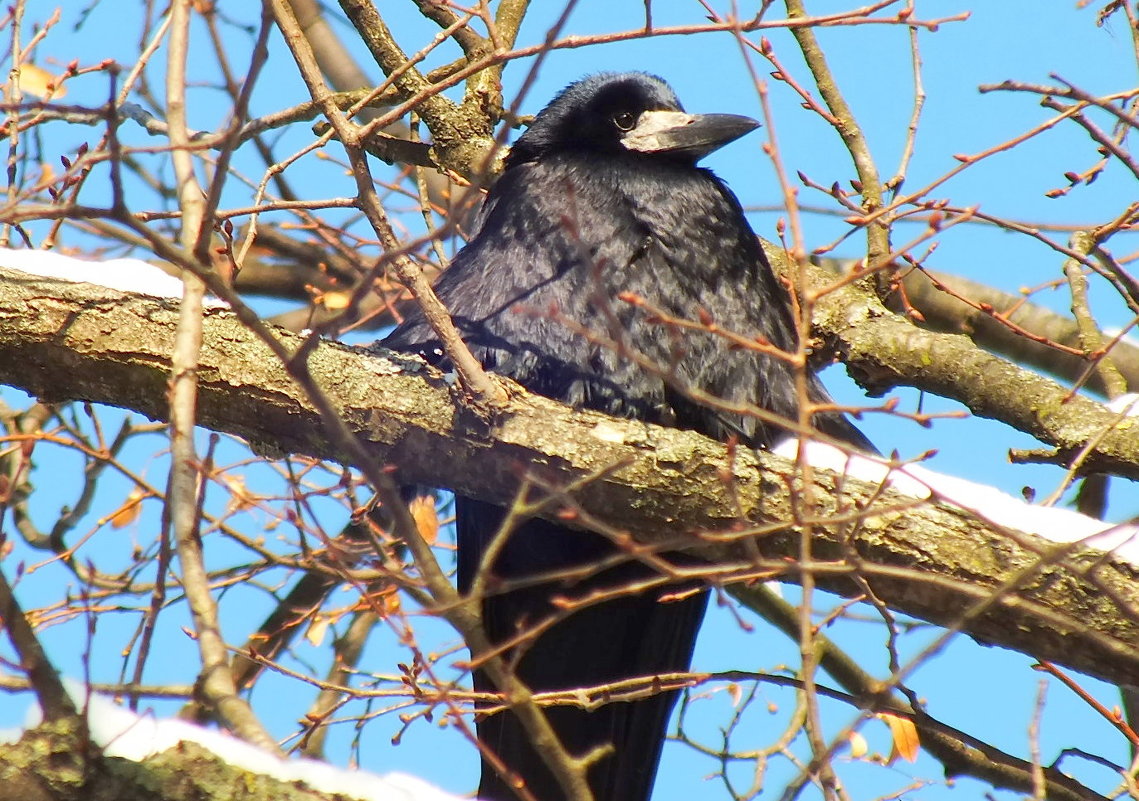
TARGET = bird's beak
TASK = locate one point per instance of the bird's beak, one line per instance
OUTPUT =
(694, 135)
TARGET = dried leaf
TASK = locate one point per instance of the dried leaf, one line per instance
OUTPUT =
(905, 735)
(39, 82)
(383, 601)
(335, 301)
(240, 497)
(317, 629)
(858, 747)
(128, 512)
(426, 518)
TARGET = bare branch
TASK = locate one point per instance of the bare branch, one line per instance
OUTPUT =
(1064, 606)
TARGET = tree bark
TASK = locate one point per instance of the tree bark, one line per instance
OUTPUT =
(741, 511)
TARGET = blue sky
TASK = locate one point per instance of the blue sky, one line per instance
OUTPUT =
(987, 692)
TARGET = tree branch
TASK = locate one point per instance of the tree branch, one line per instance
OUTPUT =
(1065, 604)
(883, 350)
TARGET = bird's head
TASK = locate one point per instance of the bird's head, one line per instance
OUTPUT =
(625, 113)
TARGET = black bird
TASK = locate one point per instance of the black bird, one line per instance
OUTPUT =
(602, 196)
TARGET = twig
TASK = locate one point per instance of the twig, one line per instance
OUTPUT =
(183, 495)
(54, 700)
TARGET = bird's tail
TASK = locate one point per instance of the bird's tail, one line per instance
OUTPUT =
(630, 636)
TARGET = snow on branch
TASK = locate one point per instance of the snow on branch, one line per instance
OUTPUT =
(986, 571)
(120, 733)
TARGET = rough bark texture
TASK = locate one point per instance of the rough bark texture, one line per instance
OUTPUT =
(883, 350)
(1077, 607)
(56, 762)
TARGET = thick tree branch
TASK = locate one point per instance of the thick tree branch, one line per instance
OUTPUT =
(944, 310)
(49, 765)
(462, 134)
(883, 350)
(1064, 604)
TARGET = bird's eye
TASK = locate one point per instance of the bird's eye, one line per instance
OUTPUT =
(625, 120)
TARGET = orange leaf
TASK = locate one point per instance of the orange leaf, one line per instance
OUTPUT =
(383, 601)
(39, 82)
(905, 735)
(426, 519)
(128, 512)
(335, 301)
